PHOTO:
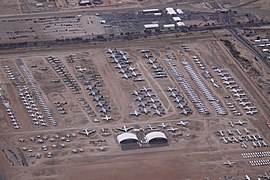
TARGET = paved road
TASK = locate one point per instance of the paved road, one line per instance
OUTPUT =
(246, 43)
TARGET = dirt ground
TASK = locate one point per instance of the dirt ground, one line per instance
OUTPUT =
(196, 151)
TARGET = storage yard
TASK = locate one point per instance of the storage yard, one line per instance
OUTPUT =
(68, 108)
(155, 93)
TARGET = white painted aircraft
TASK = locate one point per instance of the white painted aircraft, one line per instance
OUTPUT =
(182, 123)
(163, 125)
(172, 129)
(125, 128)
(145, 89)
(229, 163)
(252, 112)
(151, 127)
(171, 89)
(106, 118)
(265, 176)
(87, 132)
(135, 113)
(249, 107)
(244, 103)
(240, 122)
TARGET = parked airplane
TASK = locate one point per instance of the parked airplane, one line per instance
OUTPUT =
(229, 132)
(186, 112)
(264, 144)
(252, 112)
(265, 176)
(138, 99)
(125, 129)
(151, 127)
(239, 94)
(172, 129)
(224, 140)
(135, 74)
(151, 100)
(115, 61)
(232, 86)
(144, 51)
(145, 111)
(231, 123)
(145, 89)
(135, 113)
(159, 113)
(147, 56)
(223, 74)
(173, 94)
(154, 66)
(249, 107)
(220, 70)
(247, 131)
(178, 100)
(163, 125)
(135, 93)
(138, 79)
(109, 51)
(243, 145)
(244, 103)
(131, 68)
(226, 78)
(221, 133)
(142, 104)
(241, 99)
(119, 66)
(150, 61)
(147, 94)
(229, 163)
(104, 110)
(106, 118)
(100, 104)
(87, 132)
(181, 106)
(240, 122)
(236, 90)
(81, 70)
(182, 123)
(238, 131)
(125, 76)
(228, 82)
(247, 177)
(122, 71)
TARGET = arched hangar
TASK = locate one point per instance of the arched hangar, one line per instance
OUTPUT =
(127, 138)
(156, 137)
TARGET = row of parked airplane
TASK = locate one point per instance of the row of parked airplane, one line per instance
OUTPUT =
(237, 92)
(125, 128)
(190, 92)
(179, 100)
(64, 73)
(148, 102)
(198, 62)
(156, 68)
(9, 72)
(101, 103)
(218, 107)
(239, 122)
(35, 93)
(11, 113)
(32, 108)
(123, 64)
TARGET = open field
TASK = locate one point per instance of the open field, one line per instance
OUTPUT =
(78, 88)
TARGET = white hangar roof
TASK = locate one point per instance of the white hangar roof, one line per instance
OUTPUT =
(126, 136)
(155, 134)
